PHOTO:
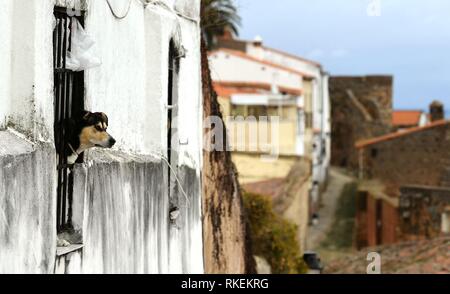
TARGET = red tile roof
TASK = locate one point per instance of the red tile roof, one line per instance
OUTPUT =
(251, 58)
(393, 136)
(226, 89)
(406, 117)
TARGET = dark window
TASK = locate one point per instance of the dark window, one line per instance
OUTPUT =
(362, 201)
(374, 152)
(69, 99)
(172, 112)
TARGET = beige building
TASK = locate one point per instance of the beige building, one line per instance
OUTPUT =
(263, 147)
(276, 109)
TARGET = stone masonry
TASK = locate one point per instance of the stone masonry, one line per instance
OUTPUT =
(361, 109)
(419, 157)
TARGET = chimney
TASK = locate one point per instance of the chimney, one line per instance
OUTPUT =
(436, 111)
(258, 41)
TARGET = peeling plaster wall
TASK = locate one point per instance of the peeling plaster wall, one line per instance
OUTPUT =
(145, 66)
(27, 206)
(5, 60)
(126, 221)
(26, 75)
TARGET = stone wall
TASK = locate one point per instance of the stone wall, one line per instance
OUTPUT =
(396, 161)
(421, 210)
(361, 109)
(227, 247)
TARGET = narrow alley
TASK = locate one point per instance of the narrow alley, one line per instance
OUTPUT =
(317, 234)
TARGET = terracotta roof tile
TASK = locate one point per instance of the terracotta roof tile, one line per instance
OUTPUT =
(406, 117)
(226, 89)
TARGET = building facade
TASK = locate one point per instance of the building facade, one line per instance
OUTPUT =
(285, 75)
(135, 208)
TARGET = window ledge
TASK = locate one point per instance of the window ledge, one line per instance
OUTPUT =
(60, 251)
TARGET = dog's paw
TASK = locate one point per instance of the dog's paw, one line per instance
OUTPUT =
(62, 243)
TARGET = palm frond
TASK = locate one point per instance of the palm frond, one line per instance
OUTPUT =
(216, 16)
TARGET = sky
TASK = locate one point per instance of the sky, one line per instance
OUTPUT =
(409, 39)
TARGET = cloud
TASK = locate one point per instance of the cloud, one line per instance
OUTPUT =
(338, 53)
(316, 53)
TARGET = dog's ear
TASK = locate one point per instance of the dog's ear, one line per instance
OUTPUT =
(104, 117)
(85, 115)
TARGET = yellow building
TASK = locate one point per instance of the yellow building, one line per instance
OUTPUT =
(264, 129)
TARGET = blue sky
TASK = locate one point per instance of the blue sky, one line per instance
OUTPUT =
(409, 39)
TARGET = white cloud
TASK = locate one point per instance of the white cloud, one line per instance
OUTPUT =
(316, 53)
(338, 53)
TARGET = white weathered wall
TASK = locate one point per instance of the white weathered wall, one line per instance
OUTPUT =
(122, 203)
(27, 76)
(126, 221)
(5, 60)
(133, 92)
(27, 168)
(27, 206)
(117, 87)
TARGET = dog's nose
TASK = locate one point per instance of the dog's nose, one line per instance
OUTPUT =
(112, 141)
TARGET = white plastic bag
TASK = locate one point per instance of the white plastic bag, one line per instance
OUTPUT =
(81, 56)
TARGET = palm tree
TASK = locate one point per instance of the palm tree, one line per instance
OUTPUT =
(216, 16)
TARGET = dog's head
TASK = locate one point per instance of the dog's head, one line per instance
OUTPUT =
(93, 130)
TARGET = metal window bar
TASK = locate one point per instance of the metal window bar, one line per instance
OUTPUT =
(69, 99)
(170, 111)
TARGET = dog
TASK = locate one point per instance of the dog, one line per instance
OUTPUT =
(85, 131)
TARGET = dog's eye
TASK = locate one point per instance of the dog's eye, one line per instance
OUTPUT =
(98, 128)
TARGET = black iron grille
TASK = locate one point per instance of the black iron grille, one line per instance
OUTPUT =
(69, 100)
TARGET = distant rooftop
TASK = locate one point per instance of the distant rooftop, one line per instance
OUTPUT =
(258, 40)
(254, 59)
(227, 89)
(396, 135)
(401, 118)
